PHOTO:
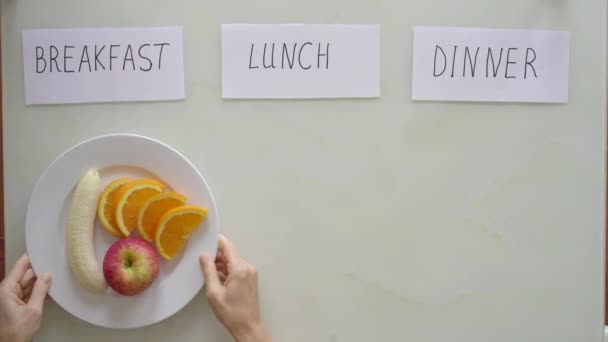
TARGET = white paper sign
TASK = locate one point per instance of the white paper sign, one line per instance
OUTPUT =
(103, 65)
(300, 61)
(468, 64)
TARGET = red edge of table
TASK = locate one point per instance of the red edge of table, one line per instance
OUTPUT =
(2, 260)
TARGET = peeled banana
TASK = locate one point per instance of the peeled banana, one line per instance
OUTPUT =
(81, 247)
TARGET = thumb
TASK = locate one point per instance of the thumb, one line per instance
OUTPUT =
(212, 279)
(41, 288)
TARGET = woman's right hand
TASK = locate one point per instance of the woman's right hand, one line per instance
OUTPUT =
(232, 291)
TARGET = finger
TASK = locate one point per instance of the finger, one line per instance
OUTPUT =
(220, 267)
(220, 261)
(18, 292)
(41, 288)
(26, 292)
(221, 273)
(212, 280)
(28, 279)
(220, 256)
(18, 270)
(229, 251)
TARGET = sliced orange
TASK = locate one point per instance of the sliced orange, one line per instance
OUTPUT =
(175, 227)
(130, 199)
(106, 207)
(153, 209)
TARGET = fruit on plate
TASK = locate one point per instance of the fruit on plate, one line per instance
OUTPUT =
(152, 211)
(106, 208)
(130, 199)
(175, 227)
(130, 266)
(81, 249)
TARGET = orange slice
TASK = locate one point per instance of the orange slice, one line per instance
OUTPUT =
(130, 199)
(106, 207)
(175, 227)
(153, 209)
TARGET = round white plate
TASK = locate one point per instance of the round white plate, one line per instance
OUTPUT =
(45, 229)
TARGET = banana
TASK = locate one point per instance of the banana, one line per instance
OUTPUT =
(81, 248)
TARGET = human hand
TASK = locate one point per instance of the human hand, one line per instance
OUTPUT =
(232, 291)
(22, 297)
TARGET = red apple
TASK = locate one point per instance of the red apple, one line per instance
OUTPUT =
(130, 266)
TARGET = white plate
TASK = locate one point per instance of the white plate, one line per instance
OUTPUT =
(45, 229)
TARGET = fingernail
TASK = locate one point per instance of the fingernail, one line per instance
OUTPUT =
(46, 277)
(204, 258)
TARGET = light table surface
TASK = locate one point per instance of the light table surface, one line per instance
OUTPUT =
(369, 220)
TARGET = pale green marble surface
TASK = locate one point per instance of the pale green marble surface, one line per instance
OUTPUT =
(369, 220)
